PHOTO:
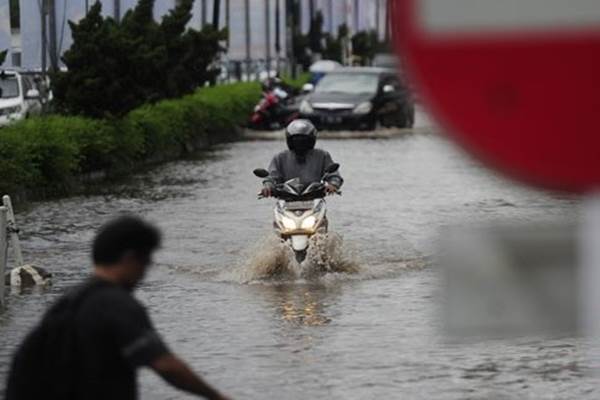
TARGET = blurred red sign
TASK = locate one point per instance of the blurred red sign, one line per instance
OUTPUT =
(515, 81)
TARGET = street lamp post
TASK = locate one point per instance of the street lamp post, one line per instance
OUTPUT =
(277, 34)
(247, 23)
(52, 28)
(227, 18)
(377, 28)
(268, 35)
(43, 13)
(117, 10)
(216, 13)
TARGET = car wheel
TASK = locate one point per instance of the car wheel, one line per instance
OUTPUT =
(401, 121)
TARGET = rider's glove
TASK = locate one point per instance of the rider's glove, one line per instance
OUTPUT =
(267, 190)
(330, 188)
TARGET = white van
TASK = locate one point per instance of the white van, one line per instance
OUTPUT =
(19, 97)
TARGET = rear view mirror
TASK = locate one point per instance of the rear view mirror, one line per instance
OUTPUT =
(332, 168)
(308, 87)
(261, 173)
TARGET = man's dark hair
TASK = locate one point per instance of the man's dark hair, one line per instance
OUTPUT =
(122, 235)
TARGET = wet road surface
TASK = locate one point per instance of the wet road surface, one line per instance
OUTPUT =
(346, 336)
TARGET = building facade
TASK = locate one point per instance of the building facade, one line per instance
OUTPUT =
(25, 41)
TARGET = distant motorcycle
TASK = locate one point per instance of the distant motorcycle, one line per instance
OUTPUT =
(273, 111)
(300, 211)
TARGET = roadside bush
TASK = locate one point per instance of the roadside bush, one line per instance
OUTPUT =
(297, 83)
(45, 155)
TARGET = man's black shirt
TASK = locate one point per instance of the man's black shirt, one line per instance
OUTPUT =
(114, 336)
(87, 346)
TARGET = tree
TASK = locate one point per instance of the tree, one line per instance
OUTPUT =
(3, 55)
(334, 45)
(365, 45)
(113, 67)
(315, 34)
(96, 82)
(190, 53)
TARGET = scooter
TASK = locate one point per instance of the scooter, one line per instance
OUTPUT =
(300, 211)
(273, 111)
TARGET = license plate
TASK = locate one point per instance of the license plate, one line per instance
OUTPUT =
(333, 120)
(299, 205)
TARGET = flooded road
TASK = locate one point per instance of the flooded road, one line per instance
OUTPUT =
(364, 336)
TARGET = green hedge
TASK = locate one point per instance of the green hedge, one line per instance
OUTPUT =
(298, 82)
(45, 155)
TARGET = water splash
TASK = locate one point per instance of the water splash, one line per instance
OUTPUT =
(272, 259)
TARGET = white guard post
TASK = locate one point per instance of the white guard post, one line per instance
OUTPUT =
(13, 231)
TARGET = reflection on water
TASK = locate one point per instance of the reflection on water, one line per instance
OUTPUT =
(303, 304)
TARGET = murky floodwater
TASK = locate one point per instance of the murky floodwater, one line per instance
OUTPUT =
(362, 336)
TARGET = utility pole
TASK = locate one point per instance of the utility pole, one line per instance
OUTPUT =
(387, 21)
(268, 35)
(117, 10)
(356, 16)
(216, 13)
(204, 17)
(227, 21)
(331, 17)
(52, 45)
(247, 25)
(277, 34)
(290, 11)
(311, 9)
(87, 6)
(377, 27)
(43, 13)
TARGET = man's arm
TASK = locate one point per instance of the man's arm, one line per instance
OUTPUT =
(177, 373)
(275, 177)
(275, 173)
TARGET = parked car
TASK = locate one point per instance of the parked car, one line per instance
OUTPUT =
(321, 68)
(19, 96)
(385, 60)
(359, 98)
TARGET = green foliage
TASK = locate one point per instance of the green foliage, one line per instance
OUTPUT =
(296, 84)
(315, 34)
(3, 55)
(115, 67)
(46, 155)
(365, 45)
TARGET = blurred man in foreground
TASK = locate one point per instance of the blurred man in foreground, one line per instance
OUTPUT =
(91, 342)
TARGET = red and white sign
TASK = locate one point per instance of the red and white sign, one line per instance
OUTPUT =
(515, 81)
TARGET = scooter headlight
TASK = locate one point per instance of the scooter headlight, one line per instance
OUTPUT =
(288, 223)
(309, 222)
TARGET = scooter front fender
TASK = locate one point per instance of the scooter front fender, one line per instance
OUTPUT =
(299, 242)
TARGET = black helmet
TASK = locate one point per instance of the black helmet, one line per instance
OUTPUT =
(301, 136)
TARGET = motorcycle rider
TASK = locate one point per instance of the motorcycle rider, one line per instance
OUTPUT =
(302, 160)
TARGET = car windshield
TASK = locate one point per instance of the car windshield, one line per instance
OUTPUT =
(9, 88)
(348, 83)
